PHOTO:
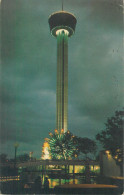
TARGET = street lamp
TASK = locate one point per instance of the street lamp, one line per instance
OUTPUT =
(16, 145)
(30, 154)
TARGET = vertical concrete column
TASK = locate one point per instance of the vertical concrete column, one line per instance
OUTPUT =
(62, 82)
(65, 80)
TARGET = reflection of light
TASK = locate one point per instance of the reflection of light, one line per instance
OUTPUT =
(91, 168)
(51, 166)
(71, 182)
(78, 168)
(76, 181)
(62, 30)
(9, 178)
(96, 167)
(54, 183)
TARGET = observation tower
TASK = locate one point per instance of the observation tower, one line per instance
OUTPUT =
(62, 25)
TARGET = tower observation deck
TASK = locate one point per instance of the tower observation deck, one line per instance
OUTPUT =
(62, 25)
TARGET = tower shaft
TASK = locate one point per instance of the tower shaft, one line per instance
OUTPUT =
(62, 82)
(62, 25)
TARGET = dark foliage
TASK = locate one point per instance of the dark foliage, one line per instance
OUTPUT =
(85, 145)
(112, 137)
(3, 158)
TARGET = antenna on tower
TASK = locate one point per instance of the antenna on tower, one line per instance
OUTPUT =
(62, 5)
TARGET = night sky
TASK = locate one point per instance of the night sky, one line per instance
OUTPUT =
(28, 71)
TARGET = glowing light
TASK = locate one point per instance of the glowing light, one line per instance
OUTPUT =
(97, 167)
(107, 152)
(46, 139)
(91, 168)
(45, 151)
(46, 145)
(62, 31)
(54, 183)
(50, 134)
(62, 130)
(56, 131)
(16, 145)
(30, 154)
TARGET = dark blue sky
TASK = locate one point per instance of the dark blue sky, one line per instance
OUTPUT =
(28, 56)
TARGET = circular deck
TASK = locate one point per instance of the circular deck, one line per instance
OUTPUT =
(62, 20)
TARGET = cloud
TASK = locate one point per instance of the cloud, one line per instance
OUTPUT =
(29, 70)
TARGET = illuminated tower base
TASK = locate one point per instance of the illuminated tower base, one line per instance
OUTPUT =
(62, 25)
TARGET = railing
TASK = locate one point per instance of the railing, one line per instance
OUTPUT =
(49, 162)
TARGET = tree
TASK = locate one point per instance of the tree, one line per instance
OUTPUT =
(23, 157)
(112, 137)
(85, 146)
(3, 158)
